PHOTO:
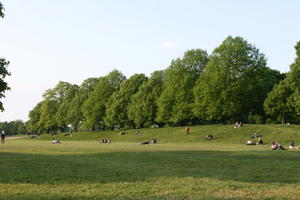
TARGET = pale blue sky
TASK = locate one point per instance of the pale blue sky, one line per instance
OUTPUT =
(70, 40)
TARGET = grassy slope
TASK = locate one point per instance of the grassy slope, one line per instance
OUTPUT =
(86, 170)
(223, 134)
(179, 167)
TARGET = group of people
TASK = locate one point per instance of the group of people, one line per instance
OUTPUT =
(259, 141)
(277, 146)
(238, 125)
(274, 145)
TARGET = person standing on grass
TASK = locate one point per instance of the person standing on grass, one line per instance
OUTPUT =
(2, 137)
(187, 130)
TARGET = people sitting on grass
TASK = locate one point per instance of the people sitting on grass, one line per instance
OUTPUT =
(259, 142)
(152, 141)
(249, 142)
(255, 135)
(33, 136)
(293, 146)
(104, 141)
(209, 137)
(122, 132)
(276, 146)
(238, 125)
(54, 141)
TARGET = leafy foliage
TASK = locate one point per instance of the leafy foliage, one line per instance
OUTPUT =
(174, 104)
(94, 108)
(234, 83)
(117, 105)
(1, 10)
(143, 107)
(3, 85)
(231, 84)
(33, 124)
(13, 127)
(276, 104)
(75, 114)
(283, 102)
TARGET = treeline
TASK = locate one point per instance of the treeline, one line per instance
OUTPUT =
(13, 127)
(234, 83)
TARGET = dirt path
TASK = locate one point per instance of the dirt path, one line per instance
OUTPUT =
(13, 137)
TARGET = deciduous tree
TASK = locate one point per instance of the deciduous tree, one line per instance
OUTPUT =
(176, 99)
(143, 107)
(94, 108)
(117, 105)
(234, 83)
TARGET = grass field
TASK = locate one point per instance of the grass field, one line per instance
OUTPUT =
(179, 167)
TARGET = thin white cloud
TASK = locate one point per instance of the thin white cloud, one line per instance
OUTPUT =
(167, 45)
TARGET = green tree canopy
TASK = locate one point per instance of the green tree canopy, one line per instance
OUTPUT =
(3, 69)
(50, 119)
(95, 106)
(3, 85)
(234, 83)
(143, 107)
(1, 10)
(75, 114)
(33, 125)
(117, 105)
(294, 79)
(176, 99)
(63, 115)
(276, 104)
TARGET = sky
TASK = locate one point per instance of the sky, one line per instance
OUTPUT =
(47, 41)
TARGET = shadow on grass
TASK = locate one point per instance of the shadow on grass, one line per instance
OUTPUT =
(260, 167)
(163, 197)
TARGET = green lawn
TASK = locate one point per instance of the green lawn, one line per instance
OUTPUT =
(178, 168)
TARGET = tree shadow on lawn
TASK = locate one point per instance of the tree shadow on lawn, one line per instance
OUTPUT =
(114, 197)
(259, 167)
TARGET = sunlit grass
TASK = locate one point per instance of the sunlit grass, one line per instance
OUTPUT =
(178, 168)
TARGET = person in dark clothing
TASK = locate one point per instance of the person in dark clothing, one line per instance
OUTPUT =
(260, 142)
(2, 137)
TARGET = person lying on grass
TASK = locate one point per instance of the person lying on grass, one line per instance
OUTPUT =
(249, 142)
(54, 141)
(104, 141)
(152, 141)
(276, 146)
